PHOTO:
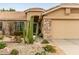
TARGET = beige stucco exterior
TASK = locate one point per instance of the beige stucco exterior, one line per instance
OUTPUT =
(30, 14)
(65, 29)
(34, 12)
(60, 22)
(64, 22)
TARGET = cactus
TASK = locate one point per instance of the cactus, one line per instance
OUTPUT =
(24, 33)
(28, 32)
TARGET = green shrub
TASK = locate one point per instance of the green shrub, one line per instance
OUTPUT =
(18, 33)
(18, 39)
(2, 45)
(37, 53)
(41, 35)
(49, 48)
(1, 37)
(14, 52)
(41, 53)
(44, 42)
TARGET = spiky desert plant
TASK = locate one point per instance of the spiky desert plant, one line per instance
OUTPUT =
(28, 32)
(24, 33)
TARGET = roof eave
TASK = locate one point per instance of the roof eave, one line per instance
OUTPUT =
(60, 6)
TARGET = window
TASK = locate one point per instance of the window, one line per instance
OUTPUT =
(0, 25)
(19, 26)
(35, 28)
(35, 25)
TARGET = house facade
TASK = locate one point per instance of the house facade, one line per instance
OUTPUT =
(60, 22)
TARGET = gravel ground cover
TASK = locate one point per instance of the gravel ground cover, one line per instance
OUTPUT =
(28, 49)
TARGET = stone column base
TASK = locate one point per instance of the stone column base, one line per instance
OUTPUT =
(6, 28)
(47, 29)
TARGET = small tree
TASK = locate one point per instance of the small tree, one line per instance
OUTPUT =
(11, 9)
(3, 9)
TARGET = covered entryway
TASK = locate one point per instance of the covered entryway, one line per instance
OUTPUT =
(65, 29)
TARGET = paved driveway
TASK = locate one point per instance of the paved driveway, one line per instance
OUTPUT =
(70, 47)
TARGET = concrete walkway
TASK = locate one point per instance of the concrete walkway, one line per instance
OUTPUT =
(70, 47)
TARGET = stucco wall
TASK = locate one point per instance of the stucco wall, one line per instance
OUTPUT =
(61, 14)
(64, 26)
(29, 14)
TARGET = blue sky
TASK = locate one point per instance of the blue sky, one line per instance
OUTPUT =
(24, 6)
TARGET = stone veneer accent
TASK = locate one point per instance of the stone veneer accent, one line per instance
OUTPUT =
(6, 28)
(47, 29)
(12, 27)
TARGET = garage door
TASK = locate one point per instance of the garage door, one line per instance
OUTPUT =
(65, 29)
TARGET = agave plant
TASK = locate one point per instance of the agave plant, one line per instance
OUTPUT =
(28, 32)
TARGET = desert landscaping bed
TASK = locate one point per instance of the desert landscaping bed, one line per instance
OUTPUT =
(29, 49)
